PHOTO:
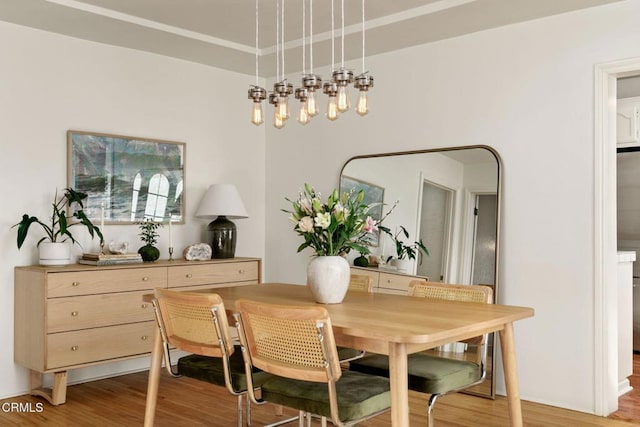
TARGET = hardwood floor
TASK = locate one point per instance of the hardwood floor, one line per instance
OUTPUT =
(185, 402)
(629, 404)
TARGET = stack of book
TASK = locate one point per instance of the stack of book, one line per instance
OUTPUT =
(109, 259)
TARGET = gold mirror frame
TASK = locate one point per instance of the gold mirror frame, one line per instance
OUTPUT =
(487, 388)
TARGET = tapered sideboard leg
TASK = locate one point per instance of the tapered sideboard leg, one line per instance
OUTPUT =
(56, 395)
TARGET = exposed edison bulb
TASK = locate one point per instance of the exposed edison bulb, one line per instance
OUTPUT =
(343, 99)
(332, 108)
(257, 116)
(362, 107)
(283, 108)
(312, 104)
(303, 116)
(278, 123)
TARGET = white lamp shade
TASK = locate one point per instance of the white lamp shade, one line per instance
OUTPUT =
(221, 200)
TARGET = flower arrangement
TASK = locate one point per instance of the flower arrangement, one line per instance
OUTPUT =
(333, 227)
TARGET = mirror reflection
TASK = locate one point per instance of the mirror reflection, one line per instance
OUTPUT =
(447, 199)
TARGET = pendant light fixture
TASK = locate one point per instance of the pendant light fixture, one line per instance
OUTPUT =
(342, 77)
(256, 93)
(330, 88)
(311, 82)
(301, 93)
(363, 81)
(336, 88)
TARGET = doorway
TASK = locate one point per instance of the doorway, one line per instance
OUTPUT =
(435, 230)
(605, 239)
(484, 240)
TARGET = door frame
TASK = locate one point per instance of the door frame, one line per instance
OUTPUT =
(605, 236)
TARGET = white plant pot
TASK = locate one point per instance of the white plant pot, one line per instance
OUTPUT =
(328, 278)
(58, 253)
(403, 265)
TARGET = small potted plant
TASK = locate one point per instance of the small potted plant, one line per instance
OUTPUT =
(54, 247)
(404, 252)
(149, 235)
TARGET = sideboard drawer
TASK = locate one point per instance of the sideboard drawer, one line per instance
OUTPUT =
(395, 282)
(92, 311)
(91, 345)
(193, 275)
(85, 282)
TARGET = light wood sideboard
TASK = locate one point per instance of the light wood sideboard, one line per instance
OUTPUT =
(388, 282)
(74, 316)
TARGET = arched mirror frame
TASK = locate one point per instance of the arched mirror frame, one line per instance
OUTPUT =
(487, 389)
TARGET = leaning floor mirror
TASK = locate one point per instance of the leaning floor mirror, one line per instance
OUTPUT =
(450, 199)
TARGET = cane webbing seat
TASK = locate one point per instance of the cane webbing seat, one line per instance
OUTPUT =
(296, 344)
(431, 374)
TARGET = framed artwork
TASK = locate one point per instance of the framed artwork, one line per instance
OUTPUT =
(373, 194)
(127, 179)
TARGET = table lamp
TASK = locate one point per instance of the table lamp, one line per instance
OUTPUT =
(222, 201)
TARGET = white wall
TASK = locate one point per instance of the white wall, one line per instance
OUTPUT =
(526, 90)
(51, 83)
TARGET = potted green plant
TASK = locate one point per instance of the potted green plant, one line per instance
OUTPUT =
(149, 235)
(404, 252)
(54, 247)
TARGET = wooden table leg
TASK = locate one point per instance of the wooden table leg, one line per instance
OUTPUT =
(154, 380)
(399, 379)
(511, 374)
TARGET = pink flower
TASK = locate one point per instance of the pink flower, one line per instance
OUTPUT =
(370, 225)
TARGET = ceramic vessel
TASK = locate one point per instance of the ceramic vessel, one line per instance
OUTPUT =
(403, 265)
(328, 278)
(58, 253)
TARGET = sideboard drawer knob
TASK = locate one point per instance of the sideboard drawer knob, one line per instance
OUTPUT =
(143, 306)
(145, 279)
(241, 271)
(74, 348)
(74, 313)
(75, 284)
(144, 337)
(188, 275)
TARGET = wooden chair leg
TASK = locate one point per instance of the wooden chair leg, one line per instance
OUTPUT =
(154, 380)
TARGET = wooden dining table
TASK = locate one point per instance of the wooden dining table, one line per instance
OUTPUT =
(394, 325)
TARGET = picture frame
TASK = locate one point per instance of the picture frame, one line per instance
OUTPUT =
(373, 194)
(127, 179)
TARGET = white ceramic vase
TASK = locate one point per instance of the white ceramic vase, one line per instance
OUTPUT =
(58, 253)
(328, 278)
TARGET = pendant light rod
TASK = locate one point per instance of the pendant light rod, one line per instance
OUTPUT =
(304, 38)
(342, 34)
(282, 38)
(257, 47)
(277, 40)
(363, 36)
(311, 36)
(333, 61)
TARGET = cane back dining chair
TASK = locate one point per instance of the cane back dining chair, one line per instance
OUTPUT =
(197, 323)
(296, 344)
(360, 283)
(431, 374)
(357, 283)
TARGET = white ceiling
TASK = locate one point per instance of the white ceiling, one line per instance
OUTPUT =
(221, 33)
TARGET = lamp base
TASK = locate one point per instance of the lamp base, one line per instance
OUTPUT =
(222, 236)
